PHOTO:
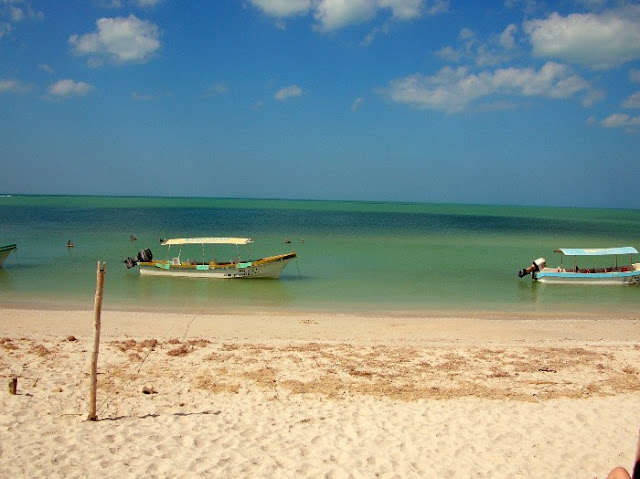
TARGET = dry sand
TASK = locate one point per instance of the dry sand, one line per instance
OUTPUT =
(318, 395)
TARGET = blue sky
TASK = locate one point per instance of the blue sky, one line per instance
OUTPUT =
(502, 102)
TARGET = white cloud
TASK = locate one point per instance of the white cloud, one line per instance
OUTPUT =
(449, 54)
(122, 40)
(335, 14)
(118, 4)
(16, 11)
(599, 41)
(593, 96)
(112, 4)
(454, 90)
(46, 68)
(19, 10)
(371, 36)
(357, 103)
(466, 34)
(13, 86)
(634, 75)
(140, 96)
(403, 9)
(288, 92)
(507, 39)
(498, 49)
(632, 101)
(282, 8)
(5, 29)
(217, 89)
(8, 85)
(68, 88)
(436, 7)
(147, 3)
(16, 14)
(621, 120)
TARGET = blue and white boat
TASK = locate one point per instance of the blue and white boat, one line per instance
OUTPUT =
(616, 272)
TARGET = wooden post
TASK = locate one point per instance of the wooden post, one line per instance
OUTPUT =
(13, 386)
(97, 309)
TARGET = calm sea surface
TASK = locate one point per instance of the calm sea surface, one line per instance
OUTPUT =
(355, 257)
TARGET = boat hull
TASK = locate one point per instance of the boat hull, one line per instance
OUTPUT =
(270, 267)
(5, 251)
(597, 278)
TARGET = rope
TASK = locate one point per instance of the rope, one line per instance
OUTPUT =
(298, 268)
(144, 359)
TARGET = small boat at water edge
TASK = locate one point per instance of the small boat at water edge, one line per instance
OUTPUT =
(268, 267)
(5, 251)
(615, 274)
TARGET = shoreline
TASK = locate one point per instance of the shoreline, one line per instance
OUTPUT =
(311, 394)
(326, 326)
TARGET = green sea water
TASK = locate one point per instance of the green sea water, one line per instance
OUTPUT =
(352, 256)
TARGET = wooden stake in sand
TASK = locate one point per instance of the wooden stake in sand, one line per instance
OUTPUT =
(97, 308)
(13, 386)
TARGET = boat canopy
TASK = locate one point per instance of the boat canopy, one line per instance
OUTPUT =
(211, 240)
(596, 251)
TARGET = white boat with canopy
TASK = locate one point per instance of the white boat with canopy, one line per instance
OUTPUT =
(608, 269)
(201, 267)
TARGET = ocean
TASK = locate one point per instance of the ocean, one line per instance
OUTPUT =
(353, 257)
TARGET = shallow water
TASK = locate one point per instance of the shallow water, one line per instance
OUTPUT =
(356, 256)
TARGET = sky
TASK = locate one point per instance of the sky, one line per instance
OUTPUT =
(515, 102)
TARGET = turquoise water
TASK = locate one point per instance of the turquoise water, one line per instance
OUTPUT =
(356, 256)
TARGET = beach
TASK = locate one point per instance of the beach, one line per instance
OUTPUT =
(286, 394)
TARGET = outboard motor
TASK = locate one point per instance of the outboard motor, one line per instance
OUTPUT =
(130, 262)
(536, 266)
(144, 256)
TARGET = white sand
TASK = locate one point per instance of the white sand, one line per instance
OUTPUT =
(318, 395)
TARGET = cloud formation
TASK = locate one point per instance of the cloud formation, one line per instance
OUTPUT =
(13, 12)
(598, 41)
(217, 89)
(69, 88)
(456, 89)
(336, 14)
(147, 3)
(283, 8)
(357, 103)
(288, 92)
(632, 101)
(120, 40)
(499, 49)
(631, 124)
(13, 86)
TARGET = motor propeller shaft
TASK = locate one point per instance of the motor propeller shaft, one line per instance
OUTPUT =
(537, 265)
